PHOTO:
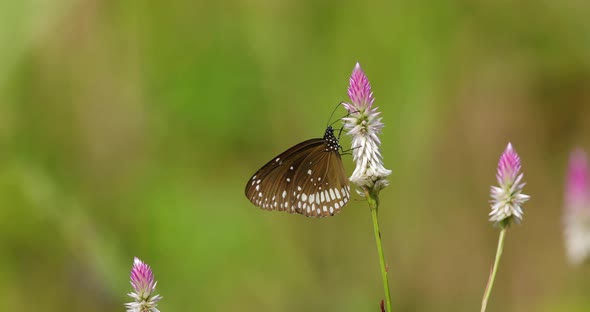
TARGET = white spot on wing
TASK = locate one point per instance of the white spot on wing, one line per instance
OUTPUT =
(309, 171)
(284, 194)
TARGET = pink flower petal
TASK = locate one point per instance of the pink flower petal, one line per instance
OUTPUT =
(359, 90)
(577, 192)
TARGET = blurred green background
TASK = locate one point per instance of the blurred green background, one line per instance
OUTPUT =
(129, 128)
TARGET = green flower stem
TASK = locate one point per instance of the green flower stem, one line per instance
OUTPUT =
(490, 284)
(373, 200)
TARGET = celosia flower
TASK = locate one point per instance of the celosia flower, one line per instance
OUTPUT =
(577, 209)
(507, 198)
(364, 124)
(142, 280)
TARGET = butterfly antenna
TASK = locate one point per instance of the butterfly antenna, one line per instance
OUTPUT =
(332, 115)
(347, 114)
(340, 132)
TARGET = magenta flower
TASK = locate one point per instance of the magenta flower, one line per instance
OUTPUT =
(359, 90)
(507, 198)
(577, 208)
(142, 280)
(577, 191)
(364, 124)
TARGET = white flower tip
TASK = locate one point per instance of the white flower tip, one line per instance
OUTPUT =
(577, 236)
(349, 107)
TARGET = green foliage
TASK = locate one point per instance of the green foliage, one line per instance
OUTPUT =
(129, 128)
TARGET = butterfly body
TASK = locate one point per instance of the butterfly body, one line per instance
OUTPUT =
(307, 179)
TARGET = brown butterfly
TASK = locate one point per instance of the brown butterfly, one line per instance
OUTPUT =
(308, 179)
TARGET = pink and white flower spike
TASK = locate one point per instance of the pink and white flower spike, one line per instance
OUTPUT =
(507, 197)
(142, 280)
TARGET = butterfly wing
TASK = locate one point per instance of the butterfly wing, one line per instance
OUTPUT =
(263, 188)
(321, 186)
(306, 179)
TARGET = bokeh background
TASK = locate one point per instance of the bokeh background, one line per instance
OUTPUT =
(129, 128)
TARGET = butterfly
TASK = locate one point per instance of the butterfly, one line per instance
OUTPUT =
(308, 179)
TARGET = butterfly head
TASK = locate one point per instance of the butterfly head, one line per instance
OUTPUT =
(331, 140)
